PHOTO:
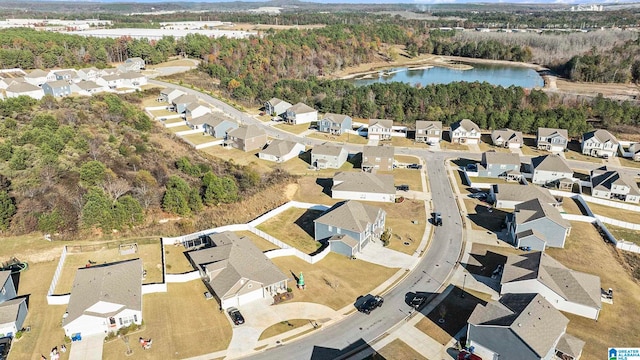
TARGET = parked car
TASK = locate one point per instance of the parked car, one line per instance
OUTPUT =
(372, 303)
(402, 187)
(437, 219)
(414, 166)
(463, 355)
(235, 316)
(472, 167)
(5, 343)
(478, 195)
(418, 301)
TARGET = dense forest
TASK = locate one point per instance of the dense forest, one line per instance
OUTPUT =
(100, 163)
(620, 64)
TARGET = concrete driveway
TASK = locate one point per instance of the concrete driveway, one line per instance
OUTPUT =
(375, 253)
(89, 348)
(260, 314)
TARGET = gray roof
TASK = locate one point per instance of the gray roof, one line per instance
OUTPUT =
(529, 316)
(336, 118)
(4, 275)
(88, 85)
(551, 162)
(169, 90)
(132, 59)
(327, 149)
(604, 179)
(131, 75)
(364, 182)
(237, 259)
(574, 286)
(247, 132)
(516, 192)
(37, 73)
(194, 105)
(601, 135)
(547, 132)
(570, 345)
(301, 108)
(57, 84)
(118, 283)
(466, 124)
(506, 135)
(275, 101)
(89, 69)
(378, 151)
(9, 310)
(279, 147)
(350, 215)
(428, 125)
(71, 73)
(535, 209)
(528, 233)
(212, 119)
(346, 239)
(382, 122)
(501, 158)
(112, 77)
(185, 99)
(634, 148)
(22, 87)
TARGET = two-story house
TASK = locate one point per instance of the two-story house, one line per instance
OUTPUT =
(247, 138)
(195, 110)
(334, 124)
(215, 124)
(13, 311)
(507, 196)
(428, 132)
(600, 143)
(500, 165)
(507, 138)
(350, 185)
(37, 77)
(465, 131)
(181, 102)
(380, 129)
(57, 88)
(300, 113)
(611, 184)
(536, 224)
(550, 169)
(328, 156)
(276, 107)
(377, 158)
(349, 226)
(552, 140)
(135, 64)
(16, 89)
(169, 94)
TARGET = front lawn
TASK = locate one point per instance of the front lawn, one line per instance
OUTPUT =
(409, 177)
(283, 327)
(346, 138)
(400, 218)
(483, 219)
(406, 142)
(294, 227)
(294, 129)
(445, 145)
(335, 281)
(586, 251)
(628, 162)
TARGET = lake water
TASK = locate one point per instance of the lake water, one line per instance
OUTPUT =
(497, 75)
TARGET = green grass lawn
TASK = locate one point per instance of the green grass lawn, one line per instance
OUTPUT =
(409, 177)
(333, 281)
(176, 129)
(199, 138)
(294, 227)
(161, 113)
(174, 120)
(624, 234)
(295, 129)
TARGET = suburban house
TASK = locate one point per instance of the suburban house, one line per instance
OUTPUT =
(500, 165)
(195, 110)
(13, 310)
(89, 74)
(377, 158)
(349, 226)
(300, 113)
(334, 124)
(380, 129)
(247, 138)
(328, 156)
(215, 124)
(567, 290)
(611, 184)
(169, 94)
(634, 150)
(104, 298)
(113, 81)
(428, 132)
(135, 64)
(57, 88)
(236, 271)
(281, 151)
(465, 131)
(87, 87)
(24, 89)
(37, 77)
(181, 102)
(507, 138)
(133, 80)
(600, 143)
(66, 75)
(536, 224)
(523, 327)
(552, 140)
(507, 196)
(276, 107)
(551, 169)
(350, 185)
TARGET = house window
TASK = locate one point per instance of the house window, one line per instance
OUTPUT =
(339, 231)
(135, 317)
(4, 290)
(330, 228)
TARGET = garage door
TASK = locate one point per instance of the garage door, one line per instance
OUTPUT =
(249, 297)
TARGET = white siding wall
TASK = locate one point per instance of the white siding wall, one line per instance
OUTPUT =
(306, 117)
(358, 195)
(541, 177)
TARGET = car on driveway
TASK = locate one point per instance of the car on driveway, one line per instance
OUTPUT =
(418, 301)
(370, 304)
(402, 187)
(5, 343)
(235, 316)
(414, 166)
(478, 195)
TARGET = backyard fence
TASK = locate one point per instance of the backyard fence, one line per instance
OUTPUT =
(56, 274)
(154, 288)
(181, 278)
(108, 245)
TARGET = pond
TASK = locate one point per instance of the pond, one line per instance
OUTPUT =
(497, 75)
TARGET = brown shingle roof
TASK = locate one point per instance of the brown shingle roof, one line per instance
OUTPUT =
(350, 215)
(551, 162)
(363, 181)
(536, 209)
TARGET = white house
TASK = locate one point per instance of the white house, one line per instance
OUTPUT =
(135, 63)
(611, 184)
(113, 81)
(549, 169)
(37, 77)
(567, 290)
(507, 138)
(552, 140)
(328, 156)
(104, 298)
(600, 143)
(363, 186)
(428, 132)
(465, 131)
(133, 80)
(89, 74)
(169, 94)
(281, 150)
(87, 88)
(300, 113)
(276, 107)
(507, 196)
(24, 89)
(236, 271)
(195, 110)
(380, 129)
